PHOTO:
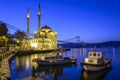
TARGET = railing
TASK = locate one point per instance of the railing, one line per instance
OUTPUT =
(4, 54)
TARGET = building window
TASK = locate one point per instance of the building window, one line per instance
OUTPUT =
(94, 54)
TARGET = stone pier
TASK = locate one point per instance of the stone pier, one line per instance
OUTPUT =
(4, 65)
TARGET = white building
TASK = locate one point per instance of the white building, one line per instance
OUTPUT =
(44, 39)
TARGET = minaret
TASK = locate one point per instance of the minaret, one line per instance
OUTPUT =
(39, 15)
(28, 24)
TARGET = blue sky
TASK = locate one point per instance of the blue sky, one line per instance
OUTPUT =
(92, 20)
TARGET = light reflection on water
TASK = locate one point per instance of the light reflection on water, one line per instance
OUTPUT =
(23, 68)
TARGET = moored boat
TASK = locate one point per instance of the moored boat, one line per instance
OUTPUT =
(98, 75)
(95, 62)
(57, 59)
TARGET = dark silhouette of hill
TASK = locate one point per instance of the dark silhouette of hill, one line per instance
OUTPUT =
(108, 44)
(88, 45)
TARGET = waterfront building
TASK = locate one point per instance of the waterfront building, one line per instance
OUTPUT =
(44, 39)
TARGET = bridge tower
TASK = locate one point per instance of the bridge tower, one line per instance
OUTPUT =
(77, 39)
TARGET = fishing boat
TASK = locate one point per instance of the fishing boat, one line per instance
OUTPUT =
(95, 62)
(57, 59)
(97, 75)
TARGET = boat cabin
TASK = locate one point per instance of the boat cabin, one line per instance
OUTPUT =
(94, 58)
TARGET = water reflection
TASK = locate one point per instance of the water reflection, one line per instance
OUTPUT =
(50, 72)
(99, 75)
(114, 56)
(22, 67)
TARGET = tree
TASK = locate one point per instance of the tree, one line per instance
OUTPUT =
(11, 39)
(3, 41)
(19, 35)
(3, 29)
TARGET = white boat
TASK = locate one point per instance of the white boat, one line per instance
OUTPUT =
(95, 62)
(55, 60)
(97, 75)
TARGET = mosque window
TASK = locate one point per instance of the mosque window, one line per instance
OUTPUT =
(90, 54)
(94, 54)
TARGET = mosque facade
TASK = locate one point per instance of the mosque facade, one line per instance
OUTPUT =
(44, 38)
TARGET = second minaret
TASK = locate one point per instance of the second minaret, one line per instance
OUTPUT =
(39, 15)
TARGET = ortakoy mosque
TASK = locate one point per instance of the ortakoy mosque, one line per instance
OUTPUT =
(44, 39)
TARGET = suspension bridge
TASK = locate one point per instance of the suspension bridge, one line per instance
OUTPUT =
(75, 39)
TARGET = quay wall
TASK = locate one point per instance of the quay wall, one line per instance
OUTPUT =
(6, 58)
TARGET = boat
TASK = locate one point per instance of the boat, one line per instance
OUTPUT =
(98, 75)
(95, 62)
(56, 59)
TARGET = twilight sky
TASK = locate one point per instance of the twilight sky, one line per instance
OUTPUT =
(92, 20)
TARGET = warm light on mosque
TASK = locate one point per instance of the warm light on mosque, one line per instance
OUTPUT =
(44, 38)
(34, 45)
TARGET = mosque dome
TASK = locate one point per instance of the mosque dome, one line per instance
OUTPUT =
(46, 27)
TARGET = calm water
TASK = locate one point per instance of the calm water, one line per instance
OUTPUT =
(22, 67)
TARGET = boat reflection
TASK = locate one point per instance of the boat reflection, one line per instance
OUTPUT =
(50, 72)
(98, 75)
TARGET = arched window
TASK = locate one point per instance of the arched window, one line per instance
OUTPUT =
(94, 54)
(90, 54)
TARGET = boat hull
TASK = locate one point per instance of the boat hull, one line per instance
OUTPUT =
(56, 62)
(98, 75)
(96, 67)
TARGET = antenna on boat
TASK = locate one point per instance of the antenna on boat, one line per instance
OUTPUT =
(95, 48)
